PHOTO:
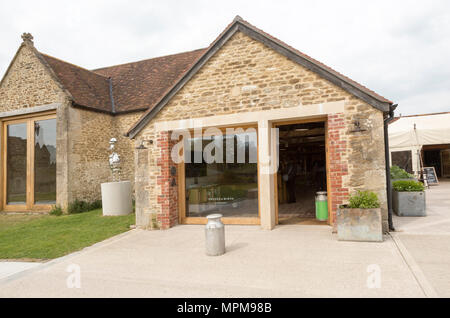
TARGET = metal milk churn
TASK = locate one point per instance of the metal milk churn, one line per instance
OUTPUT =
(321, 206)
(215, 235)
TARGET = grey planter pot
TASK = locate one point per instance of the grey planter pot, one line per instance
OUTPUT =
(360, 225)
(409, 203)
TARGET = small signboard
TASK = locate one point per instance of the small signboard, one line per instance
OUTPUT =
(429, 174)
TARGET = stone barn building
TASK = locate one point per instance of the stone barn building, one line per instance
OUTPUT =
(289, 126)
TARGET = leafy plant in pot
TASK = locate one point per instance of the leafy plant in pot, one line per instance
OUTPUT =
(398, 173)
(408, 198)
(360, 220)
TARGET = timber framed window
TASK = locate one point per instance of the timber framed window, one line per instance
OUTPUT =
(29, 163)
(228, 185)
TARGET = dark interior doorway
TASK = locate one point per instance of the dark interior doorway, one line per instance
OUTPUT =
(302, 171)
(432, 158)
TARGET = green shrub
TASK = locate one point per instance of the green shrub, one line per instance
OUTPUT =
(399, 173)
(97, 204)
(56, 210)
(78, 206)
(364, 200)
(408, 186)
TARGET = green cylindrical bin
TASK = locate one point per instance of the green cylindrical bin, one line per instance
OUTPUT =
(321, 206)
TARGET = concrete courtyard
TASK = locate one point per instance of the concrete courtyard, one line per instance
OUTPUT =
(290, 261)
(428, 239)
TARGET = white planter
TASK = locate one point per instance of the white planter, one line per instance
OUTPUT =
(116, 198)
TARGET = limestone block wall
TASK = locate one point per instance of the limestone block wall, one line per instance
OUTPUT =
(126, 146)
(89, 135)
(62, 154)
(244, 76)
(28, 83)
(82, 135)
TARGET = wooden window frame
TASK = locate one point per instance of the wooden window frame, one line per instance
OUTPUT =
(183, 219)
(29, 119)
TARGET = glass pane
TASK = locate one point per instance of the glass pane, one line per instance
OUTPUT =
(16, 159)
(45, 161)
(222, 175)
(403, 159)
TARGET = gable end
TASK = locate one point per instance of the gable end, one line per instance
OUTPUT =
(238, 24)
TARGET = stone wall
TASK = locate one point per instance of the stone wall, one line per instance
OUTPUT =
(89, 135)
(82, 135)
(28, 83)
(125, 146)
(245, 76)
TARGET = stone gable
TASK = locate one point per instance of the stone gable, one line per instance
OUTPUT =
(28, 83)
(246, 76)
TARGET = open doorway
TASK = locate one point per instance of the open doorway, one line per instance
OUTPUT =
(437, 156)
(302, 171)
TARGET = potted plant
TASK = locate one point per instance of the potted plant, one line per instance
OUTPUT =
(360, 220)
(408, 198)
(398, 173)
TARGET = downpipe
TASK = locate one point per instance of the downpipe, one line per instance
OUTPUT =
(387, 120)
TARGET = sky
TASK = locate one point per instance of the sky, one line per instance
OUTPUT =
(400, 49)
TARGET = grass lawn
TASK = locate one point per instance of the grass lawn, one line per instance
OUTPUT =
(47, 237)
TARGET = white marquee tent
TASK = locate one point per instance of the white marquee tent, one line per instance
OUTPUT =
(411, 133)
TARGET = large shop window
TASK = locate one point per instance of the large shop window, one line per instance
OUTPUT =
(221, 175)
(29, 154)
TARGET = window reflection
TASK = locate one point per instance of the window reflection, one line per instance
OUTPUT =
(229, 183)
(16, 158)
(45, 161)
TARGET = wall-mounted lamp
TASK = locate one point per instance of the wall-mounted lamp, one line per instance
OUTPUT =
(142, 145)
(357, 127)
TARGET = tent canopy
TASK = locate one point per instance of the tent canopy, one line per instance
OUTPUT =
(431, 129)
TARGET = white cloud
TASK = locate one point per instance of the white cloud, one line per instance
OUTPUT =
(399, 49)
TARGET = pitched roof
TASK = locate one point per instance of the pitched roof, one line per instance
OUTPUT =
(139, 85)
(87, 88)
(150, 84)
(121, 88)
(239, 24)
(319, 64)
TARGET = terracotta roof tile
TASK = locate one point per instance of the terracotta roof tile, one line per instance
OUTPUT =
(135, 86)
(87, 88)
(142, 85)
(139, 85)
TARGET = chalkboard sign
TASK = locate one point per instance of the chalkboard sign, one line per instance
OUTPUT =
(430, 175)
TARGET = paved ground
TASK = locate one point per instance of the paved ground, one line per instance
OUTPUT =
(428, 239)
(10, 268)
(291, 261)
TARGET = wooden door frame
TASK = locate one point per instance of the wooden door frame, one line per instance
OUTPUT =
(327, 161)
(29, 120)
(442, 163)
(181, 167)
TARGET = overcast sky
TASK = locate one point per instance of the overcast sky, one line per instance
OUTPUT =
(400, 49)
